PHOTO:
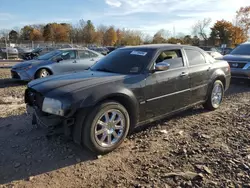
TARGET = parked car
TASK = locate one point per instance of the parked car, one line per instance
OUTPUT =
(36, 52)
(239, 61)
(225, 51)
(130, 87)
(12, 53)
(110, 49)
(101, 50)
(215, 55)
(55, 62)
(210, 48)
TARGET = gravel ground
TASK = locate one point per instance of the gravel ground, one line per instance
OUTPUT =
(196, 148)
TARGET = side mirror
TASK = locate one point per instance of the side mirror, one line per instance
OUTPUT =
(162, 66)
(58, 59)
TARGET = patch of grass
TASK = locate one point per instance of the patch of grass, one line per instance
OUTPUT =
(5, 73)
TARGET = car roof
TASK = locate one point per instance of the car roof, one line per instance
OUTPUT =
(158, 46)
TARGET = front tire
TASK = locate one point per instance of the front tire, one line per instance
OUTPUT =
(105, 127)
(215, 96)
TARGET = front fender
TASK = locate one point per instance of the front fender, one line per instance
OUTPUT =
(111, 92)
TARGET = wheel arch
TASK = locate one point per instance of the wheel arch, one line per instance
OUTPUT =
(40, 68)
(123, 96)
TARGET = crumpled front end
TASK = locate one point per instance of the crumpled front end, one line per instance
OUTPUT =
(53, 123)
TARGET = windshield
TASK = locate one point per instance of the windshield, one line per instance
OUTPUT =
(49, 55)
(243, 49)
(125, 61)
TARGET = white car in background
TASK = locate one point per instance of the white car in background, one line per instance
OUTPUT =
(215, 55)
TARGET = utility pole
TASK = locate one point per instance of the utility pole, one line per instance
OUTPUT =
(174, 31)
(6, 45)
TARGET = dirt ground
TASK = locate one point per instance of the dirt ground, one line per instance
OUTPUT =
(196, 148)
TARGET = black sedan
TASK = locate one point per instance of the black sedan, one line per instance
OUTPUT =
(130, 87)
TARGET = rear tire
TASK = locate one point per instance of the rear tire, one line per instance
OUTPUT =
(43, 73)
(215, 96)
(105, 127)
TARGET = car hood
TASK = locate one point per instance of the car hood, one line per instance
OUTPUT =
(74, 81)
(28, 63)
(231, 57)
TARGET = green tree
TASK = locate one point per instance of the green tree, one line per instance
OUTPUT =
(25, 32)
(89, 32)
(13, 36)
(187, 39)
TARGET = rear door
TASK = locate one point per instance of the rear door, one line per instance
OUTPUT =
(167, 91)
(85, 59)
(199, 71)
(67, 64)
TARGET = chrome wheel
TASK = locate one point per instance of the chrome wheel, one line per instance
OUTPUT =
(216, 96)
(44, 74)
(109, 128)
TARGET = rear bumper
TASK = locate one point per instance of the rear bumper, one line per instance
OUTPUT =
(240, 73)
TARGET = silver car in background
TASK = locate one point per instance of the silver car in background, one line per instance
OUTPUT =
(55, 62)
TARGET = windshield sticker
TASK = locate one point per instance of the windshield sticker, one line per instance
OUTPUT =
(138, 53)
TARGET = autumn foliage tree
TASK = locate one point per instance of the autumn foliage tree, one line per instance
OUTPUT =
(36, 35)
(226, 33)
(110, 37)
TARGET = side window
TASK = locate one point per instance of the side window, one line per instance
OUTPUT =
(71, 54)
(83, 54)
(195, 57)
(173, 57)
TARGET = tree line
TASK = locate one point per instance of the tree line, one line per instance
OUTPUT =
(85, 32)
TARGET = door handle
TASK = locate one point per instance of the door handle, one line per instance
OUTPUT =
(92, 59)
(74, 61)
(184, 74)
(209, 68)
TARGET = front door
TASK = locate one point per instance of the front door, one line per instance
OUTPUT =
(167, 91)
(199, 71)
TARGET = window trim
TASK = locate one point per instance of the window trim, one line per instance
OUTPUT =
(76, 54)
(188, 63)
(158, 52)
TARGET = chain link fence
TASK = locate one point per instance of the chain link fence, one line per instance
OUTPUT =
(14, 50)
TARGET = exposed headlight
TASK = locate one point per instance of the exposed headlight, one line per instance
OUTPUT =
(52, 106)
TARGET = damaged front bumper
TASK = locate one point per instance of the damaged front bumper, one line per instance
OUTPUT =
(54, 123)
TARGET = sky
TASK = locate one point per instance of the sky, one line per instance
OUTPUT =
(147, 16)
